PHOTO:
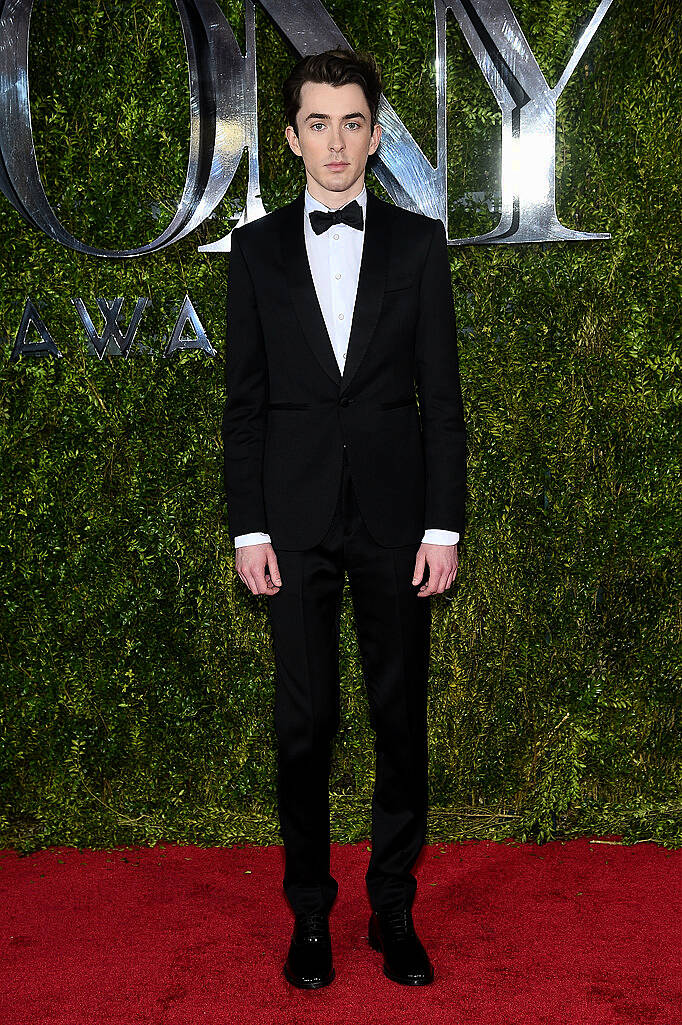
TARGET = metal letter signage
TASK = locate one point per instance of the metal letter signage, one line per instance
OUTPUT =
(528, 108)
(111, 342)
(223, 120)
(218, 121)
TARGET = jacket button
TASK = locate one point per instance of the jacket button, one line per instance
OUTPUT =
(344, 401)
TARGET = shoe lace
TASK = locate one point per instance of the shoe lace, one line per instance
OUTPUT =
(399, 922)
(313, 924)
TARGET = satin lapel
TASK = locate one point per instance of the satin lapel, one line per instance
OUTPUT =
(376, 250)
(302, 288)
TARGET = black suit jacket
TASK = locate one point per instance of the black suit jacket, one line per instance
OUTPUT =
(289, 411)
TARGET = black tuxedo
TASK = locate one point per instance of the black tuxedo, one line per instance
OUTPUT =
(289, 410)
(345, 473)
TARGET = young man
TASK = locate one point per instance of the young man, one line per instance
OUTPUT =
(338, 303)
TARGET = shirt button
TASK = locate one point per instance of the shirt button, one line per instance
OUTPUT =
(336, 236)
(340, 316)
(337, 276)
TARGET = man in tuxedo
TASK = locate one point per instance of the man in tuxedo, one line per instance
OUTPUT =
(338, 304)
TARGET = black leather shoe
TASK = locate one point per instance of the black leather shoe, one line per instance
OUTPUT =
(405, 959)
(309, 962)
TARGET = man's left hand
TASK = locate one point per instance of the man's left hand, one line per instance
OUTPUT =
(442, 561)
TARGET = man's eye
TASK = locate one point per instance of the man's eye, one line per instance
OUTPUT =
(354, 124)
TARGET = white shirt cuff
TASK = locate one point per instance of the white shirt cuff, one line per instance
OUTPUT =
(434, 536)
(256, 538)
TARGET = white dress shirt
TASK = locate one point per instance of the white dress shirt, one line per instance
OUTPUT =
(334, 257)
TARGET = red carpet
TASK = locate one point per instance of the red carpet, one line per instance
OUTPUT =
(579, 932)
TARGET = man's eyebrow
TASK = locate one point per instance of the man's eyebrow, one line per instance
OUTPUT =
(326, 117)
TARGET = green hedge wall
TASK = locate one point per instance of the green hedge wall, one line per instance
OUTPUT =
(137, 672)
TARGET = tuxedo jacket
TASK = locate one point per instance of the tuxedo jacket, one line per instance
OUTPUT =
(397, 406)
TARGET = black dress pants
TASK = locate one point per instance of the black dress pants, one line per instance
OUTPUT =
(393, 630)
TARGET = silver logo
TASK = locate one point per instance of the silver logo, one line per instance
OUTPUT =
(223, 121)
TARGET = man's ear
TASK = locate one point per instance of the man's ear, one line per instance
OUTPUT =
(375, 139)
(292, 139)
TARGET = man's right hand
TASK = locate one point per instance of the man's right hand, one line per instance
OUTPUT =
(257, 567)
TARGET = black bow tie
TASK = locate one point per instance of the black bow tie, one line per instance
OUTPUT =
(351, 214)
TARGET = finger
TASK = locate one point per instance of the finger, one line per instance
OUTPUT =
(251, 582)
(272, 588)
(261, 584)
(265, 585)
(450, 580)
(434, 583)
(258, 580)
(274, 569)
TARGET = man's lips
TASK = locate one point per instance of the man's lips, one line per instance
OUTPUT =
(337, 165)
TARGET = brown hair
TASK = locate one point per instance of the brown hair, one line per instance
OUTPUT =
(333, 67)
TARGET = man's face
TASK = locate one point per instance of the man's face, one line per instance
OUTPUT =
(334, 139)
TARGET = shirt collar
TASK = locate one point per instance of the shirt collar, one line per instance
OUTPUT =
(314, 204)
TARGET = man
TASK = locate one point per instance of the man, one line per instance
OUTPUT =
(338, 302)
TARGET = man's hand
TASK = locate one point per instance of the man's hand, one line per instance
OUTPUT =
(442, 561)
(257, 567)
